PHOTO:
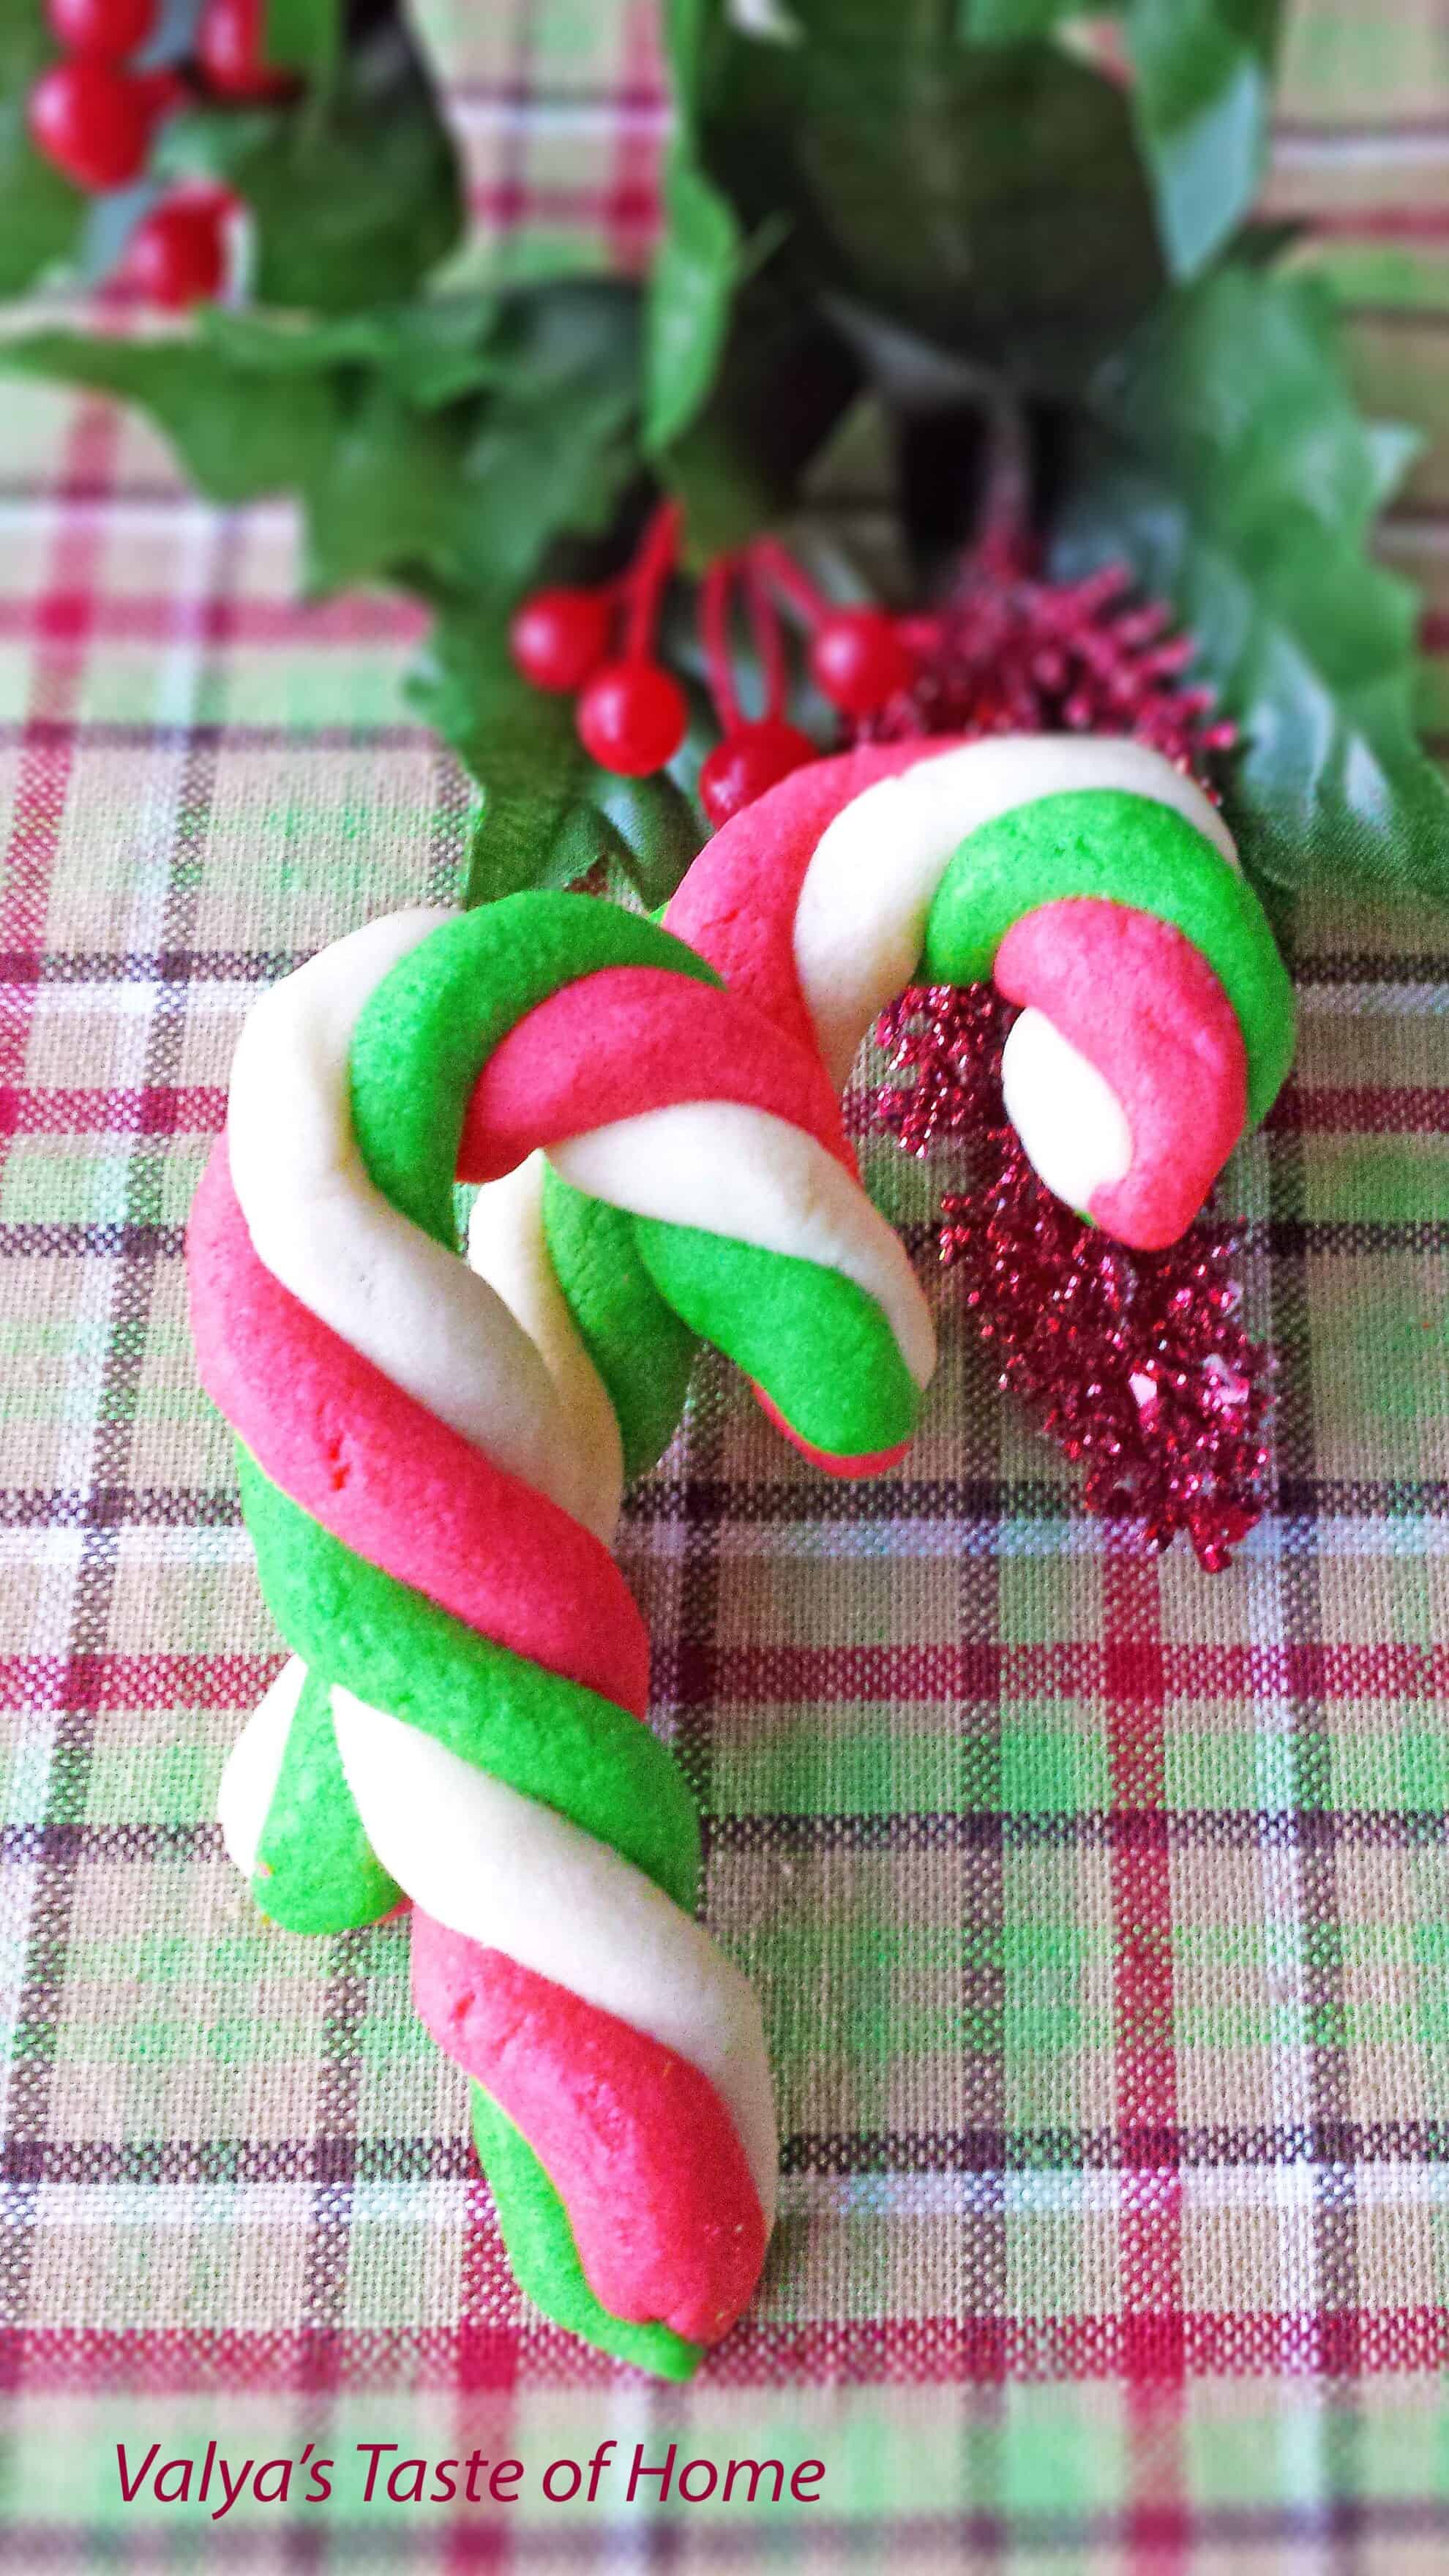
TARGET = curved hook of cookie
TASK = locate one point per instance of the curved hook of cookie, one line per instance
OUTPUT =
(1096, 884)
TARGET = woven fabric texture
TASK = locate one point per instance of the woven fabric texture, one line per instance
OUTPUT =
(1100, 1910)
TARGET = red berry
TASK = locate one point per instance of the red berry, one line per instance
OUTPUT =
(559, 636)
(632, 718)
(858, 660)
(108, 28)
(160, 92)
(177, 256)
(91, 121)
(229, 49)
(752, 758)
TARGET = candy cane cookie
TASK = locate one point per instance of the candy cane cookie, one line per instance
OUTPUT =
(432, 1453)
(1094, 882)
(431, 1456)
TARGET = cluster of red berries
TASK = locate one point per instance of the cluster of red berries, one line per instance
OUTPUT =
(93, 115)
(632, 714)
(856, 657)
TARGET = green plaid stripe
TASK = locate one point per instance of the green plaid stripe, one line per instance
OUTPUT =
(1113, 2239)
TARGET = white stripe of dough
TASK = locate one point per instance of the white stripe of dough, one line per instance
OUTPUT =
(254, 1766)
(860, 924)
(1080, 1141)
(412, 1308)
(511, 1874)
(507, 1247)
(742, 1172)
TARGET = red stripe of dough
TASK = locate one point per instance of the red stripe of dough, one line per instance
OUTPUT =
(396, 1485)
(737, 905)
(635, 2140)
(835, 1462)
(627, 1040)
(1144, 1007)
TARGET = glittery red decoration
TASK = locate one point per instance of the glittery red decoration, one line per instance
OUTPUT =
(1011, 654)
(1136, 1363)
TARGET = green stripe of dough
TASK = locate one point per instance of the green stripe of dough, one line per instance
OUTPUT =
(419, 1045)
(642, 1350)
(547, 1737)
(1125, 849)
(545, 2258)
(316, 1870)
(821, 1348)
(425, 1033)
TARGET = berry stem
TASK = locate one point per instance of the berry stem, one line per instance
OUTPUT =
(647, 577)
(779, 567)
(714, 610)
(769, 642)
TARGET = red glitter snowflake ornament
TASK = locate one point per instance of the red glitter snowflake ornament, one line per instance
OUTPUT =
(1137, 1364)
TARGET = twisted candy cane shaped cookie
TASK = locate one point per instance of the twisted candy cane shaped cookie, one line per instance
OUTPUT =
(430, 1469)
(1093, 881)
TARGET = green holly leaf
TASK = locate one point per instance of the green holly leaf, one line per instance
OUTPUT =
(989, 198)
(464, 497)
(1012, 22)
(466, 500)
(41, 215)
(1202, 99)
(304, 36)
(698, 264)
(655, 835)
(536, 470)
(548, 814)
(473, 495)
(689, 31)
(392, 500)
(237, 437)
(745, 375)
(429, 352)
(211, 144)
(691, 293)
(786, 378)
(1228, 465)
(639, 844)
(518, 744)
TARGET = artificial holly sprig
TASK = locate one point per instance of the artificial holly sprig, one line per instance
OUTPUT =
(1016, 266)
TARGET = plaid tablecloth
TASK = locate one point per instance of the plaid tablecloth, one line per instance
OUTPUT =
(1100, 1912)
